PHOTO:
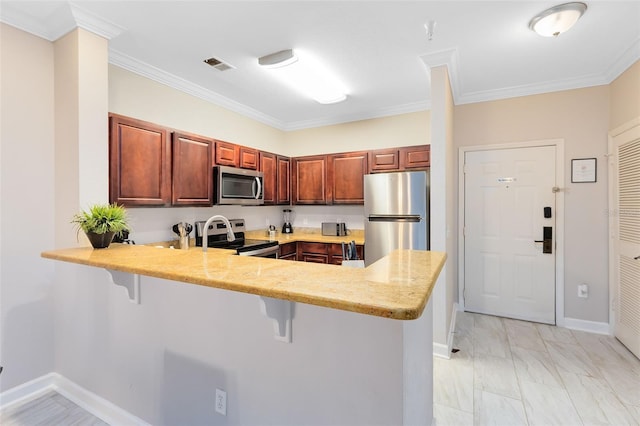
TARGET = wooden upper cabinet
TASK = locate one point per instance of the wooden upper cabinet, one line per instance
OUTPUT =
(268, 166)
(248, 158)
(192, 171)
(226, 154)
(309, 180)
(276, 180)
(415, 157)
(283, 189)
(139, 163)
(384, 160)
(346, 177)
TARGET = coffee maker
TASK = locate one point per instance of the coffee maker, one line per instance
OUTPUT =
(287, 228)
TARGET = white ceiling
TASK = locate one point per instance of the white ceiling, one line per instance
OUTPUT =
(378, 48)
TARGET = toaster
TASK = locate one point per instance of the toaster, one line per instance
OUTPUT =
(334, 228)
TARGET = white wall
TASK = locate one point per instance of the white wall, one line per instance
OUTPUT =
(26, 206)
(163, 359)
(581, 118)
(398, 130)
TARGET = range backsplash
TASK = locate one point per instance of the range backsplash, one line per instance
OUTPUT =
(154, 224)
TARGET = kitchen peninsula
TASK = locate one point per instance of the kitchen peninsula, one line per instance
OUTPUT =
(397, 286)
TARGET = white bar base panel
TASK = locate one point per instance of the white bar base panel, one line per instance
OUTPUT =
(444, 351)
(89, 401)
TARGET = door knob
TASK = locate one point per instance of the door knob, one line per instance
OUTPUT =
(636, 258)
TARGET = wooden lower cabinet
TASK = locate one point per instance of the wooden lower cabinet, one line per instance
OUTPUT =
(323, 252)
(335, 253)
(288, 251)
(313, 252)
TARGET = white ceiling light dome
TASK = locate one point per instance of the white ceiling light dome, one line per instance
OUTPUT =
(558, 19)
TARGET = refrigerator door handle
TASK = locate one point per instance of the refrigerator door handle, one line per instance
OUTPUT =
(394, 218)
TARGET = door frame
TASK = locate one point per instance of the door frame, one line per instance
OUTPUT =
(630, 127)
(559, 248)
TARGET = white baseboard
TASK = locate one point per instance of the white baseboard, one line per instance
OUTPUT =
(444, 351)
(589, 326)
(89, 401)
(27, 391)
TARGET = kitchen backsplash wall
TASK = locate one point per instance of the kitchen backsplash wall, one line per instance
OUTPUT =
(154, 224)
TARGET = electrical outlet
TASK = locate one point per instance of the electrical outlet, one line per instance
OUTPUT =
(221, 402)
(583, 291)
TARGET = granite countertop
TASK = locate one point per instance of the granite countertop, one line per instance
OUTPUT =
(397, 286)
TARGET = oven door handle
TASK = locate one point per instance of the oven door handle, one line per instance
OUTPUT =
(261, 252)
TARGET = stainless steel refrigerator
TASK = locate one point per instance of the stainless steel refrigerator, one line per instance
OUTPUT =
(396, 210)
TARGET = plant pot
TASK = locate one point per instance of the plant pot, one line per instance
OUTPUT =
(99, 241)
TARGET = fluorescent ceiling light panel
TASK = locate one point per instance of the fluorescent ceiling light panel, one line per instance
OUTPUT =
(305, 75)
(556, 20)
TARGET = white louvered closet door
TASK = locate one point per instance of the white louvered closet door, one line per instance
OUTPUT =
(627, 238)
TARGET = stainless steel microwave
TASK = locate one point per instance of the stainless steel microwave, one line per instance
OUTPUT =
(237, 186)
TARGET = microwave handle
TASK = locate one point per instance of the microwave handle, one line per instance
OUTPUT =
(259, 189)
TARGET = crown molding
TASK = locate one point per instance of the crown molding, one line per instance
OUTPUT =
(57, 25)
(156, 74)
(450, 59)
(95, 24)
(624, 61)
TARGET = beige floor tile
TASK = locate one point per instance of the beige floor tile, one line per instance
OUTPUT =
(491, 341)
(447, 416)
(551, 333)
(498, 410)
(488, 322)
(453, 383)
(524, 335)
(635, 412)
(535, 366)
(496, 375)
(548, 405)
(624, 382)
(572, 358)
(595, 401)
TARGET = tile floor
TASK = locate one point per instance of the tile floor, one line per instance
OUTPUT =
(511, 372)
(51, 409)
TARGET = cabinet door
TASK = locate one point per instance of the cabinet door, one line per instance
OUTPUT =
(309, 177)
(192, 172)
(288, 251)
(313, 252)
(415, 157)
(346, 177)
(139, 163)
(335, 253)
(226, 154)
(248, 158)
(268, 166)
(283, 193)
(384, 160)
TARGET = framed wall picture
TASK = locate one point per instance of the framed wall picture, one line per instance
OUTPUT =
(583, 170)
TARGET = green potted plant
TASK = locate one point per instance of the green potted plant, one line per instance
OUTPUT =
(101, 222)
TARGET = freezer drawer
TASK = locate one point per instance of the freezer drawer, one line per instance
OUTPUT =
(384, 237)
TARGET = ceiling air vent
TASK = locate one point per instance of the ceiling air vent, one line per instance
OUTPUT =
(218, 64)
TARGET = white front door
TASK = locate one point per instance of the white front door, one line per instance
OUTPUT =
(509, 233)
(625, 261)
